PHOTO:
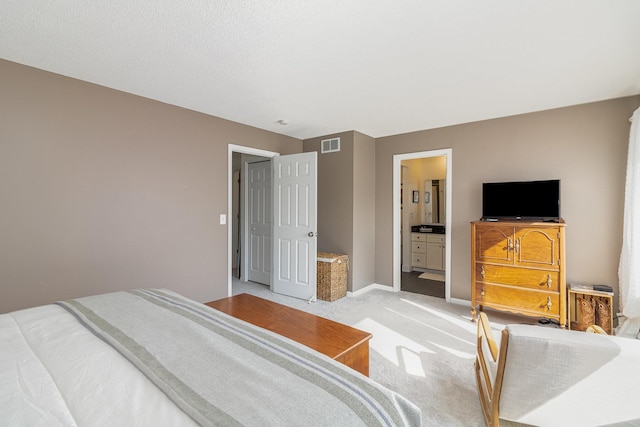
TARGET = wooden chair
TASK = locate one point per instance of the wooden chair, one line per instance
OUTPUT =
(551, 376)
(489, 366)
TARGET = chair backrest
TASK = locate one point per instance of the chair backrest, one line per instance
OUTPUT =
(489, 367)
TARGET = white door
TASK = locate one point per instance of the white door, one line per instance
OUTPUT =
(294, 225)
(258, 211)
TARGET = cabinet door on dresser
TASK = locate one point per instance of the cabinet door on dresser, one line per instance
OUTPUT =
(519, 246)
(494, 243)
(537, 247)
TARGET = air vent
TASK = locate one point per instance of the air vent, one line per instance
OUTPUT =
(330, 145)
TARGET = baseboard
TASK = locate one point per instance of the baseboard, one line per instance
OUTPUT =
(370, 288)
(373, 286)
(460, 301)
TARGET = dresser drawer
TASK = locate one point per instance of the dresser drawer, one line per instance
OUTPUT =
(519, 300)
(418, 247)
(419, 260)
(522, 277)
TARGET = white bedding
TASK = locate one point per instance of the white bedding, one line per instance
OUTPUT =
(48, 377)
(154, 358)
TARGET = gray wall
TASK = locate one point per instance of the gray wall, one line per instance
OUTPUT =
(103, 191)
(585, 146)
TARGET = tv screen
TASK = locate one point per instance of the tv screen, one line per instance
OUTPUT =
(521, 200)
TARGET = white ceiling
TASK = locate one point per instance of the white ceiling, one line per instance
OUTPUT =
(375, 66)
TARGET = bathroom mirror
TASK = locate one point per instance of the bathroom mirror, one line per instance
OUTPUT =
(434, 206)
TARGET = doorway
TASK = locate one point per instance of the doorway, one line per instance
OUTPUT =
(281, 244)
(237, 155)
(422, 222)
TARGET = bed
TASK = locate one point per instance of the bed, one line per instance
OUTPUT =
(152, 357)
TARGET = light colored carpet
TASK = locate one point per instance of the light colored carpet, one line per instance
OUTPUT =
(432, 276)
(422, 347)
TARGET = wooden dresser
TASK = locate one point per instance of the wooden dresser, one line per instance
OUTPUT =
(519, 266)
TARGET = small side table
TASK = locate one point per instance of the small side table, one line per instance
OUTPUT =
(599, 298)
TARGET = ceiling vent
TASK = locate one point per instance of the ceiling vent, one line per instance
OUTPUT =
(330, 145)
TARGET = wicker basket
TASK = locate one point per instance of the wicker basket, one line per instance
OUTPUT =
(332, 270)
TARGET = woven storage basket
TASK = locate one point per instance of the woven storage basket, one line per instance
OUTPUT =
(332, 276)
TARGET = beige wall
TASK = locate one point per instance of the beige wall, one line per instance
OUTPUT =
(335, 196)
(363, 266)
(585, 146)
(103, 191)
(346, 203)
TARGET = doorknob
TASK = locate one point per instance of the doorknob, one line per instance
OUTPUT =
(312, 234)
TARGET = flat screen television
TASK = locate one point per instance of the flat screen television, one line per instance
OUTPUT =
(531, 200)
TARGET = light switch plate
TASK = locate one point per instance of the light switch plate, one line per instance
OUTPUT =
(223, 219)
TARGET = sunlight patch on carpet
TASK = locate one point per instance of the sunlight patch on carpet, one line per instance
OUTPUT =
(426, 325)
(462, 322)
(456, 353)
(396, 348)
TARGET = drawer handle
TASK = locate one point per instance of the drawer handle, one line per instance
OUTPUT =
(482, 293)
(518, 245)
(549, 304)
(509, 244)
(549, 281)
(482, 271)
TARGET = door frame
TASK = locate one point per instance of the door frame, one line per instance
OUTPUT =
(232, 148)
(397, 214)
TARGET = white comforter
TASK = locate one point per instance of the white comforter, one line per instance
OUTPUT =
(108, 360)
(48, 377)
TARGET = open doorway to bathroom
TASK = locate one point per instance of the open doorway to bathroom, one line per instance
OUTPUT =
(423, 213)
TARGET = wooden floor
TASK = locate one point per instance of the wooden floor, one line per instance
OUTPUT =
(343, 343)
